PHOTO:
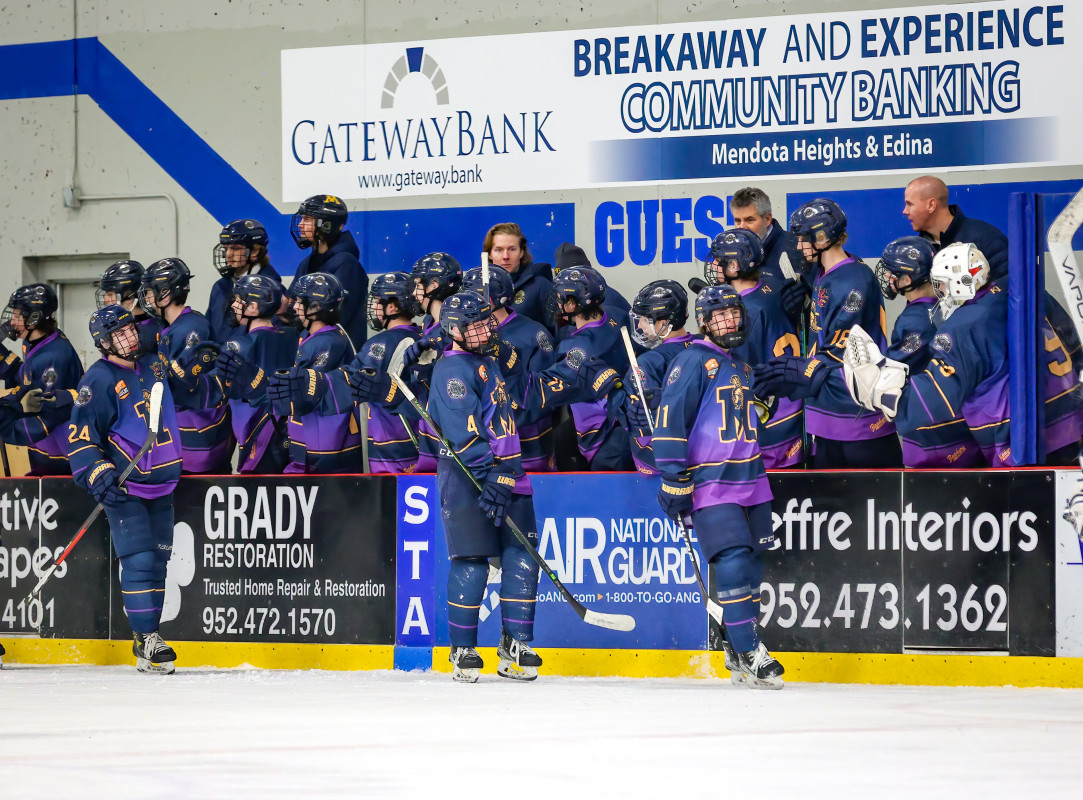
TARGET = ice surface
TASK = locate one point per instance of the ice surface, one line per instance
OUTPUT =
(109, 732)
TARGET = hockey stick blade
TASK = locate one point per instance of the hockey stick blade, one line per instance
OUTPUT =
(786, 267)
(1059, 238)
(397, 362)
(614, 622)
(155, 415)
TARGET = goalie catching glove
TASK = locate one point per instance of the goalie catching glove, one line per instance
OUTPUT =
(874, 381)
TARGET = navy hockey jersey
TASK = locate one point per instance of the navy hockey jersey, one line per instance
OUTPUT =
(707, 428)
(321, 443)
(772, 335)
(967, 376)
(109, 425)
(470, 405)
(206, 435)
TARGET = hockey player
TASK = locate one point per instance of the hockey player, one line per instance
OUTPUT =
(968, 372)
(318, 224)
(392, 434)
(206, 435)
(256, 350)
(705, 445)
(844, 293)
(506, 245)
(735, 258)
(120, 285)
(658, 316)
(588, 364)
(319, 444)
(570, 255)
(49, 363)
(904, 270)
(241, 250)
(534, 349)
(108, 426)
(469, 404)
(436, 277)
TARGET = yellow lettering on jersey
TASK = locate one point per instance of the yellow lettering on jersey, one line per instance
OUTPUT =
(75, 434)
(471, 425)
(1052, 345)
(787, 341)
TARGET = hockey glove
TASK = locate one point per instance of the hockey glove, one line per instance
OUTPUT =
(103, 488)
(58, 401)
(193, 362)
(638, 415)
(793, 297)
(596, 377)
(675, 496)
(370, 386)
(796, 378)
(296, 391)
(496, 494)
(765, 407)
(241, 375)
(30, 402)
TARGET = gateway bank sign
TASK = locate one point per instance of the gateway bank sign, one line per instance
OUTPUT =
(388, 120)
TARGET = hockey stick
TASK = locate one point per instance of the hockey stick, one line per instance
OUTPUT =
(1059, 238)
(713, 608)
(154, 427)
(616, 622)
(395, 365)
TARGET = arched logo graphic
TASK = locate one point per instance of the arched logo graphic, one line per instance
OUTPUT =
(415, 59)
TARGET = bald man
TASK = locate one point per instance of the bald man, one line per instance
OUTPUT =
(925, 204)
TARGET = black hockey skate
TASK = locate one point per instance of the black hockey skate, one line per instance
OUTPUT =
(517, 660)
(153, 655)
(2, 651)
(760, 669)
(466, 664)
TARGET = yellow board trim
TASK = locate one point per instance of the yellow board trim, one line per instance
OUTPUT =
(910, 669)
(224, 655)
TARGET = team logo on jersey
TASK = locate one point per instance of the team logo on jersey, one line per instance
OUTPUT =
(712, 367)
(483, 372)
(321, 359)
(911, 343)
(158, 367)
(121, 389)
(854, 301)
(674, 374)
(456, 389)
(192, 340)
(48, 378)
(942, 342)
(84, 396)
(520, 296)
(575, 358)
(738, 393)
(377, 350)
(544, 342)
(821, 297)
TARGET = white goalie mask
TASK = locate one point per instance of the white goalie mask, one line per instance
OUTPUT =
(958, 272)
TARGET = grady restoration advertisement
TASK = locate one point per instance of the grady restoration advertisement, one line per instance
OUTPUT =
(938, 87)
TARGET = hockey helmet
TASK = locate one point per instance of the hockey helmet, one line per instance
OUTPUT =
(328, 214)
(658, 300)
(909, 255)
(958, 272)
(712, 306)
(738, 246)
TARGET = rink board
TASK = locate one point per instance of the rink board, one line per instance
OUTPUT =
(962, 578)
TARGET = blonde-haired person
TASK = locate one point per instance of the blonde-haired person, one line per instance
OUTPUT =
(507, 247)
